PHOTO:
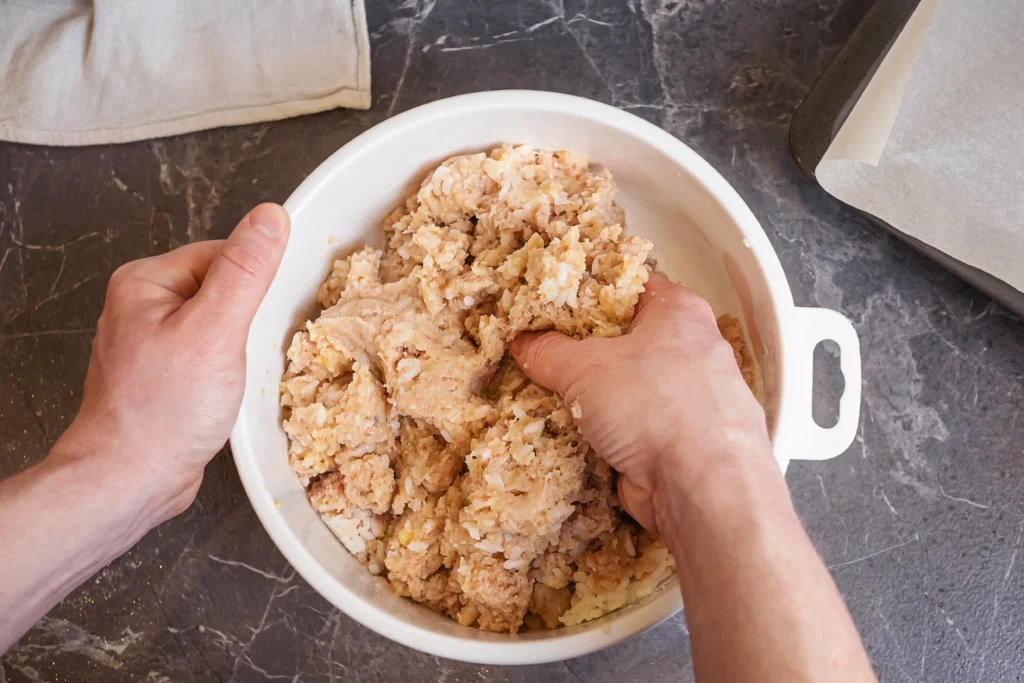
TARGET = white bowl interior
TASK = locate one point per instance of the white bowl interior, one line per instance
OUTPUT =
(668, 198)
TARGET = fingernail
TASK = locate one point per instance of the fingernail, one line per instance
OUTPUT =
(270, 219)
(516, 345)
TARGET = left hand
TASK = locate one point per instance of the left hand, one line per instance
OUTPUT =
(167, 371)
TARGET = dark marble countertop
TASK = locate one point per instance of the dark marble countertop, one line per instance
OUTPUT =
(920, 521)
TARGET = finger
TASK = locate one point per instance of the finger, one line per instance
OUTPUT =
(661, 295)
(545, 357)
(179, 272)
(241, 272)
(658, 286)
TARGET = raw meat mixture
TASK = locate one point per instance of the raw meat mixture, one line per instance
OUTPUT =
(426, 450)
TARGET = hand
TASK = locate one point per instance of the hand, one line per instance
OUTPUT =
(167, 371)
(665, 397)
(666, 406)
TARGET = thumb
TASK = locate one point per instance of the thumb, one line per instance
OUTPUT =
(545, 357)
(242, 271)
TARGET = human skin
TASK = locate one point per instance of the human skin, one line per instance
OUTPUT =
(667, 407)
(163, 387)
(664, 404)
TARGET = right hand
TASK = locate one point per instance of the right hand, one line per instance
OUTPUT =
(665, 401)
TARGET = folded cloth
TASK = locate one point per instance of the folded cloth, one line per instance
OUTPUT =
(83, 72)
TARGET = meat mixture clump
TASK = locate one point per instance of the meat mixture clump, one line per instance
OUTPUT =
(424, 447)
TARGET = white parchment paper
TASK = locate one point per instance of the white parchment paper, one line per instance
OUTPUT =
(935, 145)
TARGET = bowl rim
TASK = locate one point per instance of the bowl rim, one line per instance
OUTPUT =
(667, 601)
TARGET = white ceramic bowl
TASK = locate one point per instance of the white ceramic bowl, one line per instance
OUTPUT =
(704, 235)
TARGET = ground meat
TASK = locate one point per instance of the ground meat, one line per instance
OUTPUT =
(426, 449)
(345, 421)
(732, 331)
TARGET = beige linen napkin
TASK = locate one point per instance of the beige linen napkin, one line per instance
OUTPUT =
(80, 72)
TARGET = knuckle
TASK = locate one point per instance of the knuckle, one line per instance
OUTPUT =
(120, 274)
(701, 308)
(684, 313)
(103, 326)
(722, 352)
(243, 257)
(120, 280)
(692, 304)
(540, 349)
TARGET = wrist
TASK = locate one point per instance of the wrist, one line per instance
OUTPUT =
(725, 485)
(148, 485)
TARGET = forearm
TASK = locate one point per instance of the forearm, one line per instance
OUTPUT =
(60, 522)
(760, 603)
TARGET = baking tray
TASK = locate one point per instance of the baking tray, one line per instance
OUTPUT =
(829, 102)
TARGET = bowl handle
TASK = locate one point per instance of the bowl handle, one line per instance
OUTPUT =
(814, 325)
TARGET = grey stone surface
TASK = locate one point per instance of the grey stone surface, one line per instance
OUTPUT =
(920, 521)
